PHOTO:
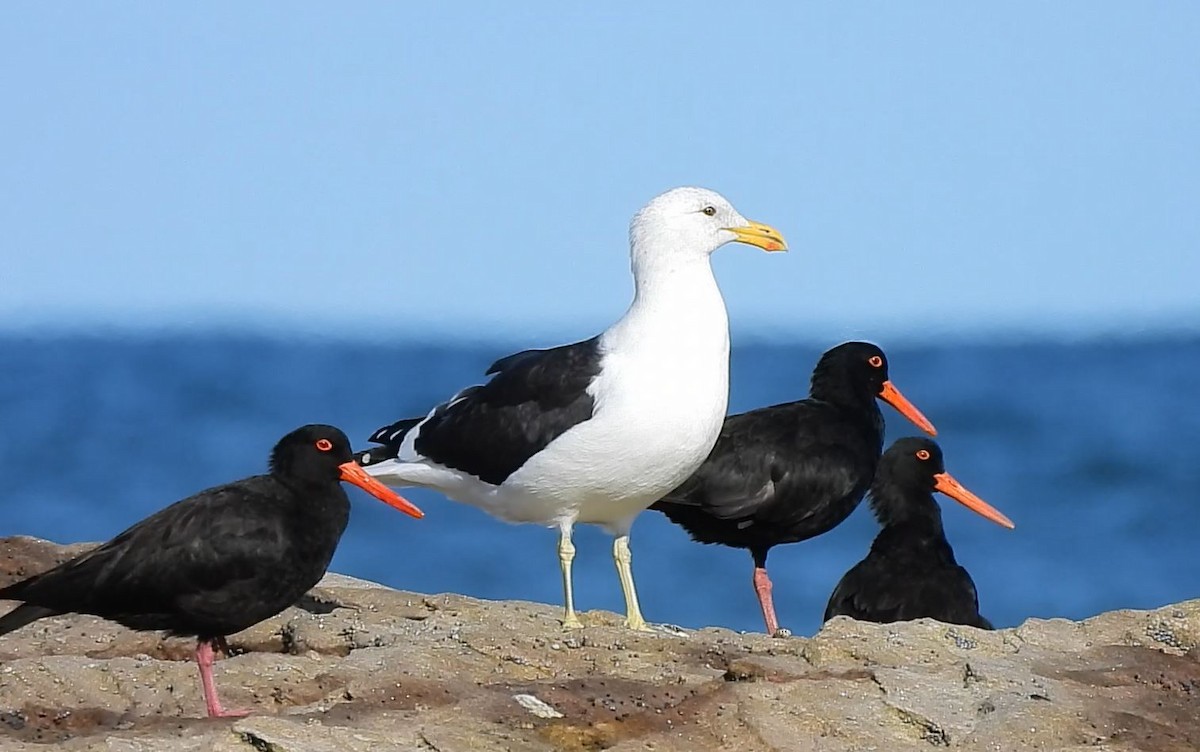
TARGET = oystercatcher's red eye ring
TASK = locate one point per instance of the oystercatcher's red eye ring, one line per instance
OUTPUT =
(922, 454)
(324, 445)
(875, 361)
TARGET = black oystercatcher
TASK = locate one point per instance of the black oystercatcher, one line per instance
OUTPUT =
(595, 431)
(217, 562)
(910, 572)
(791, 472)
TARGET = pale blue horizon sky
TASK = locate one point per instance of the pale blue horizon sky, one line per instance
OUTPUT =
(400, 170)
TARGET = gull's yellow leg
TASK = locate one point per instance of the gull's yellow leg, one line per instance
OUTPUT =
(566, 554)
(623, 558)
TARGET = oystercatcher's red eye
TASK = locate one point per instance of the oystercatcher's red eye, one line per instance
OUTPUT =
(922, 454)
(324, 445)
(875, 361)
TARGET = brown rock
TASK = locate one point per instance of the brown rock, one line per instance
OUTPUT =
(361, 667)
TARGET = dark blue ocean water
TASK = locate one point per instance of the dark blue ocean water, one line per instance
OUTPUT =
(1093, 449)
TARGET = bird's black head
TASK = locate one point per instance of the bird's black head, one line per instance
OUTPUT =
(855, 374)
(319, 455)
(312, 454)
(911, 464)
(860, 368)
(907, 475)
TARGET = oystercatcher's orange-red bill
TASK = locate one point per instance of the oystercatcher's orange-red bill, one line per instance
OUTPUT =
(946, 484)
(353, 473)
(891, 395)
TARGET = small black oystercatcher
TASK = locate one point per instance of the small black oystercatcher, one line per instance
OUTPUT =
(791, 472)
(910, 572)
(217, 562)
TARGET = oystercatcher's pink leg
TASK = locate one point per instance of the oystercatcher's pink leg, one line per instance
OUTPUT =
(204, 659)
(762, 586)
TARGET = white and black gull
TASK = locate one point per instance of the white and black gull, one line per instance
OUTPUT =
(595, 431)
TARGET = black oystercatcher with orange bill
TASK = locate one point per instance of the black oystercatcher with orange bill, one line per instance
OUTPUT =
(911, 572)
(791, 472)
(217, 562)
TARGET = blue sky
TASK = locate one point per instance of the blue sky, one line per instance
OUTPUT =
(396, 169)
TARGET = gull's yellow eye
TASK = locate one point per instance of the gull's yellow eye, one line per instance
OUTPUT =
(922, 454)
(709, 210)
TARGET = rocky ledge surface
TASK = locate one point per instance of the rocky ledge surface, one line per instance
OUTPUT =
(358, 666)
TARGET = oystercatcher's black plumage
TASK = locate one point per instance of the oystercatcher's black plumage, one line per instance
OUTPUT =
(790, 472)
(217, 562)
(911, 572)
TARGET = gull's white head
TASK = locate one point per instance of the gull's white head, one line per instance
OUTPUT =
(695, 222)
